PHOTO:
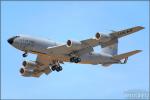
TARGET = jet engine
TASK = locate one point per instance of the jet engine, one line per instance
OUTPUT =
(102, 37)
(28, 68)
(98, 36)
(26, 72)
(29, 64)
(31, 69)
(74, 44)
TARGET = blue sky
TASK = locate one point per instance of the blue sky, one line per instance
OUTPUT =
(76, 20)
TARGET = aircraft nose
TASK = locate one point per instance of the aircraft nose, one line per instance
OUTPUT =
(10, 40)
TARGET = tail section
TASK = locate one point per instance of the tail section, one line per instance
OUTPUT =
(124, 56)
(111, 47)
(114, 36)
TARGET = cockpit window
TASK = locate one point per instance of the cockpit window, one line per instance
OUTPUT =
(15, 37)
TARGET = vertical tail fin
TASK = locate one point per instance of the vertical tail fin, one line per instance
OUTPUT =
(111, 49)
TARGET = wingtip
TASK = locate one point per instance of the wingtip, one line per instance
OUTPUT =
(138, 51)
(141, 27)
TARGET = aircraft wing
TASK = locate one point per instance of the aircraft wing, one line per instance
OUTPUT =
(114, 36)
(37, 74)
(43, 59)
(61, 49)
(119, 34)
(86, 46)
(44, 62)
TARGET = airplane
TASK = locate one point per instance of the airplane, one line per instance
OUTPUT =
(51, 54)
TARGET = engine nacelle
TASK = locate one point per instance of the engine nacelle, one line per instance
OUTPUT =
(26, 72)
(98, 36)
(106, 65)
(74, 44)
(102, 37)
(29, 64)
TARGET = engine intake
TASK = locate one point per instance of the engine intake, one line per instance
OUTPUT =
(22, 70)
(69, 43)
(98, 36)
(26, 72)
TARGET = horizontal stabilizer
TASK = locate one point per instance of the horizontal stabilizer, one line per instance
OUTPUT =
(126, 55)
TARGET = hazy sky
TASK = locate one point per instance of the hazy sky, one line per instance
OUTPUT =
(76, 20)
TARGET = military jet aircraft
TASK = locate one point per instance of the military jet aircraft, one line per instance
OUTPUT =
(51, 54)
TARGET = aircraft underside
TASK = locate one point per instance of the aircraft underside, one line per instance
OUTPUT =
(50, 55)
